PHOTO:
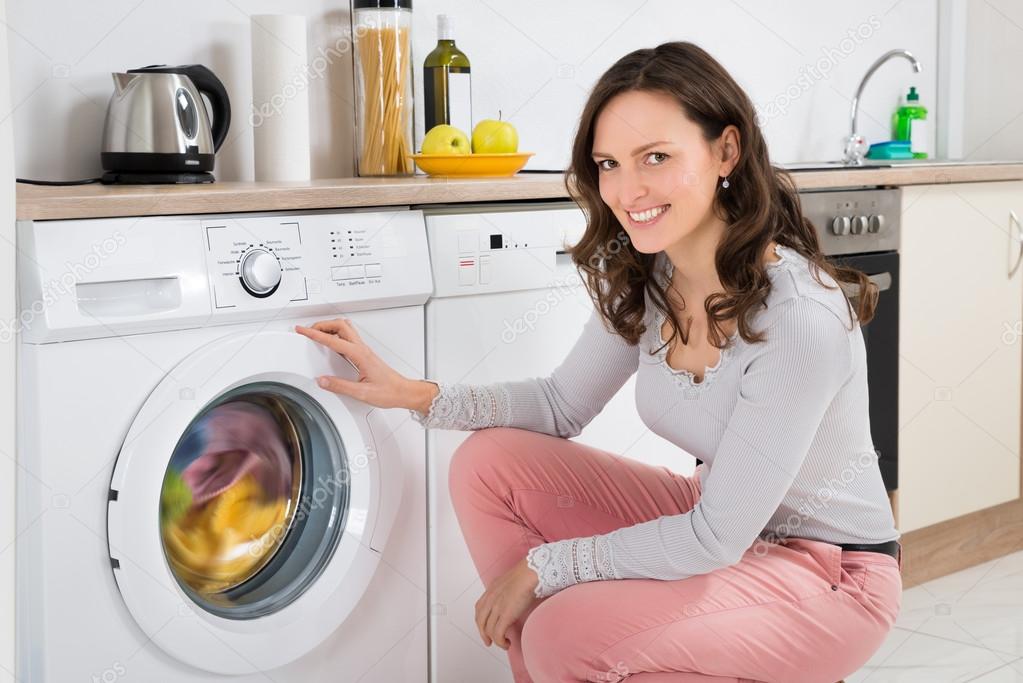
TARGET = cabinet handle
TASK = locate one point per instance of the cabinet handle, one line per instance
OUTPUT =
(1018, 236)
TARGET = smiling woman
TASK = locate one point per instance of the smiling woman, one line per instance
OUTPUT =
(669, 148)
(778, 560)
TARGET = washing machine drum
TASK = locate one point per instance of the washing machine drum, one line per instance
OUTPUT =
(244, 505)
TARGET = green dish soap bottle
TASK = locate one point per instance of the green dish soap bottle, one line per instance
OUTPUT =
(910, 123)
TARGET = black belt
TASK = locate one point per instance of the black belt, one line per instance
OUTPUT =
(888, 547)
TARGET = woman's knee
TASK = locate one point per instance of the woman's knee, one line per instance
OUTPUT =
(554, 642)
(542, 635)
(478, 457)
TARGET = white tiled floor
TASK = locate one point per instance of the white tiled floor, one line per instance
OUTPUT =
(966, 626)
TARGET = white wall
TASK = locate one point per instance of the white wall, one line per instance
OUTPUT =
(63, 52)
(534, 61)
(7, 346)
(993, 90)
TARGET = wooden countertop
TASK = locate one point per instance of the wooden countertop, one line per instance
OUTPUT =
(99, 201)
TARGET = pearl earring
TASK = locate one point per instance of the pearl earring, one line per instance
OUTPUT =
(725, 183)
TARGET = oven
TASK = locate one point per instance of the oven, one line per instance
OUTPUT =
(861, 229)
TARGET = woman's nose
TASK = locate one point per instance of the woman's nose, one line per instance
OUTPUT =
(631, 190)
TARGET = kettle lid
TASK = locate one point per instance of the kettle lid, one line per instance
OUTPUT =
(160, 69)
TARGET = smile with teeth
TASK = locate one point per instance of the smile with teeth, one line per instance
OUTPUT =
(648, 215)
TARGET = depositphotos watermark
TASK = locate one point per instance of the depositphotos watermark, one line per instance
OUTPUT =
(1012, 332)
(62, 286)
(618, 672)
(820, 500)
(322, 492)
(112, 673)
(557, 291)
(819, 70)
(315, 69)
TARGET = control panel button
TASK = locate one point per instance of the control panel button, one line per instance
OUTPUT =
(485, 270)
(356, 271)
(339, 272)
(859, 225)
(876, 223)
(374, 270)
(467, 272)
(260, 272)
(468, 242)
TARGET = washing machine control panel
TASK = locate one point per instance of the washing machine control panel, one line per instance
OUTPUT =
(258, 262)
(152, 273)
(253, 258)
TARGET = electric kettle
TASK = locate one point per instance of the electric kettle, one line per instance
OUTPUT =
(157, 128)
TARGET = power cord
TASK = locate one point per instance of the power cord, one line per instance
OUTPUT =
(58, 182)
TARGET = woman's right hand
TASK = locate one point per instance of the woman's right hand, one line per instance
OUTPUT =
(379, 384)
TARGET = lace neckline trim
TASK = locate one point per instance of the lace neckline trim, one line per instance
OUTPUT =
(685, 377)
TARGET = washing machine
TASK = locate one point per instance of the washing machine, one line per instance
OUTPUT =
(191, 505)
(508, 304)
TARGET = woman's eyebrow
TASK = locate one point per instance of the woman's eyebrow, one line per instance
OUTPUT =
(635, 151)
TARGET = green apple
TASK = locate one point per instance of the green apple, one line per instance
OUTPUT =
(494, 137)
(445, 139)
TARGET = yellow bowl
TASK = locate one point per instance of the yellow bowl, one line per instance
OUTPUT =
(472, 165)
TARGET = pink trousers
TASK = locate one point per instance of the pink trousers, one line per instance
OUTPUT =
(797, 611)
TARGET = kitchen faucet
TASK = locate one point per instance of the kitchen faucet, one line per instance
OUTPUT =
(856, 144)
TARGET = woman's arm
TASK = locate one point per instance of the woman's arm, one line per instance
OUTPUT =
(561, 404)
(784, 393)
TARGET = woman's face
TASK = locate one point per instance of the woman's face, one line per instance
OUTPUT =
(657, 173)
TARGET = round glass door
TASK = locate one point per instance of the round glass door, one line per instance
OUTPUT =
(254, 500)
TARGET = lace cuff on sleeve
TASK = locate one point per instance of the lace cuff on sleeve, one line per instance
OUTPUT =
(561, 564)
(466, 407)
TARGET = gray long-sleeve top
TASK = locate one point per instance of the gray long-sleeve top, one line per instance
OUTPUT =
(782, 427)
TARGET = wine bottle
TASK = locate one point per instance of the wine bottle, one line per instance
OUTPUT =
(446, 82)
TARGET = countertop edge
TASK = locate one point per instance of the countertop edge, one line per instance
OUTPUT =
(35, 202)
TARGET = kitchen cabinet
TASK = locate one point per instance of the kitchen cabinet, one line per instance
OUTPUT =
(961, 350)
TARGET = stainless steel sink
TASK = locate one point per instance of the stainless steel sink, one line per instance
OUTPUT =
(890, 163)
(833, 165)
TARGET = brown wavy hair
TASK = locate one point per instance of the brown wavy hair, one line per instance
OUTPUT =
(761, 204)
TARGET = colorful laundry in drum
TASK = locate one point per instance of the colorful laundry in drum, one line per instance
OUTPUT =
(230, 493)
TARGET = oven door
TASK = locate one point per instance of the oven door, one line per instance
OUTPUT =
(881, 338)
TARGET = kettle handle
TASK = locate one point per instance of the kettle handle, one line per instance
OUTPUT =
(206, 82)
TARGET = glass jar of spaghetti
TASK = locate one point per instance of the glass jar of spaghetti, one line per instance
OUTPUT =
(383, 86)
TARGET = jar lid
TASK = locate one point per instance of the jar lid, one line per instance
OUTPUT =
(382, 4)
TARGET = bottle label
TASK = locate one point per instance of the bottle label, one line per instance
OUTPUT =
(918, 135)
(459, 101)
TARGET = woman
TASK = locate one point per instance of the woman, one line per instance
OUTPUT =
(778, 560)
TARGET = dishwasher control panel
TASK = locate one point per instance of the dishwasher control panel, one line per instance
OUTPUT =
(487, 248)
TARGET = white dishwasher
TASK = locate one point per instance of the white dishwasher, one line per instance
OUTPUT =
(508, 304)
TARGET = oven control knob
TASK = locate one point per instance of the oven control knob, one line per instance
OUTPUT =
(260, 272)
(876, 223)
(859, 225)
(840, 226)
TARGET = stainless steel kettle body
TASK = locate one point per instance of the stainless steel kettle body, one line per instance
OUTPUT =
(157, 121)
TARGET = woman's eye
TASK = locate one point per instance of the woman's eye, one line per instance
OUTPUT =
(659, 157)
(602, 167)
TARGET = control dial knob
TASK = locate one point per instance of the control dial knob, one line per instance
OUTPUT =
(840, 225)
(260, 272)
(859, 225)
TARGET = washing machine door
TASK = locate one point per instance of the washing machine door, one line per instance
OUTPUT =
(245, 517)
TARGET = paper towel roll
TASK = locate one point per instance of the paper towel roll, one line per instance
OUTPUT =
(280, 97)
